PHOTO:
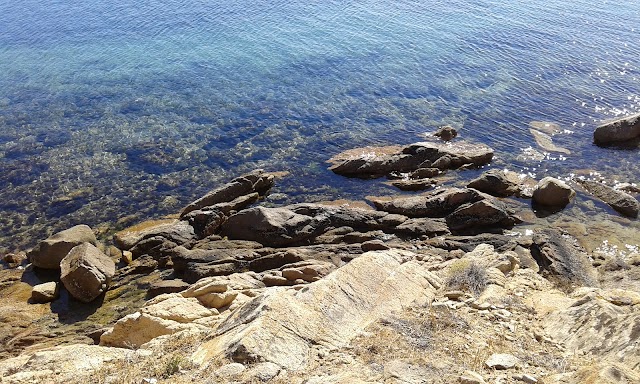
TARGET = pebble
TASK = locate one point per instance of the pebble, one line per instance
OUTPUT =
(526, 378)
(501, 361)
(471, 377)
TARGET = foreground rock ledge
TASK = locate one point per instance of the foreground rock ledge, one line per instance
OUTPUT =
(283, 325)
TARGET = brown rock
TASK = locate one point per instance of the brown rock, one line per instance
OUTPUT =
(619, 131)
(86, 272)
(621, 201)
(553, 193)
(49, 253)
(446, 133)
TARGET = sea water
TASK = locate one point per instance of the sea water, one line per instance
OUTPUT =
(115, 111)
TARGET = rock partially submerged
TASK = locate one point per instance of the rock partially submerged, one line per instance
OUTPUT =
(377, 162)
(497, 183)
(257, 181)
(621, 201)
(552, 192)
(620, 131)
(462, 208)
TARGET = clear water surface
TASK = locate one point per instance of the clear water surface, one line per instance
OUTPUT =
(121, 110)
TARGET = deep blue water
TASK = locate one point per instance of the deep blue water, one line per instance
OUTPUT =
(117, 108)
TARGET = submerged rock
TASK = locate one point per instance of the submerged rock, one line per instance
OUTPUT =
(86, 272)
(621, 201)
(545, 142)
(49, 253)
(619, 131)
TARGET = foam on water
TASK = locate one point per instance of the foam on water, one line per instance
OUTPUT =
(117, 108)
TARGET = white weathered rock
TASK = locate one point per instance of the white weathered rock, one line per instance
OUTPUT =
(139, 328)
(281, 325)
(230, 370)
(177, 308)
(86, 272)
(65, 362)
(597, 327)
(45, 293)
(501, 361)
(471, 377)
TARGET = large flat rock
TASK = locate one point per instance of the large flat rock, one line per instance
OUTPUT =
(283, 325)
(372, 162)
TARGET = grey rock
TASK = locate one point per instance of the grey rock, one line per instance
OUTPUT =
(496, 183)
(560, 255)
(446, 133)
(257, 181)
(379, 162)
(273, 226)
(49, 253)
(622, 202)
(45, 293)
(552, 192)
(618, 131)
(86, 272)
(502, 361)
(481, 215)
(413, 184)
(422, 227)
(439, 203)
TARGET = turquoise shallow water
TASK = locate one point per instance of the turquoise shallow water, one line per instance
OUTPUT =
(119, 108)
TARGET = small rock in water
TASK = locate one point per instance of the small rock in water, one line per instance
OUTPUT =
(446, 133)
(502, 361)
(553, 193)
(546, 127)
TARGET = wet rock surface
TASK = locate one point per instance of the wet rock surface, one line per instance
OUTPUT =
(622, 202)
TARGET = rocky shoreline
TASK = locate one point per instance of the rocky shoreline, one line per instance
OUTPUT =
(456, 284)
